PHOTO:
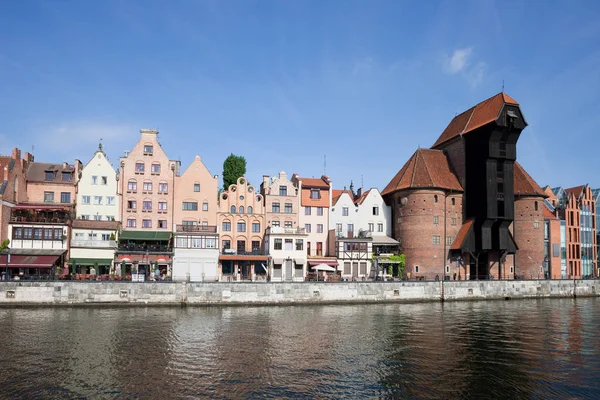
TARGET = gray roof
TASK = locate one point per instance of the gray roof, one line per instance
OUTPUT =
(37, 172)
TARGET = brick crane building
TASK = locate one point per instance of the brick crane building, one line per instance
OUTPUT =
(464, 208)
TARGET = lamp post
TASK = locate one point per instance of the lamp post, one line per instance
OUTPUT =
(7, 249)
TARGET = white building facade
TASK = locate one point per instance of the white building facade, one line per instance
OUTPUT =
(97, 197)
(368, 212)
(93, 245)
(196, 253)
(287, 251)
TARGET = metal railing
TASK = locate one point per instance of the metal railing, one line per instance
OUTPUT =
(196, 228)
(103, 244)
(143, 248)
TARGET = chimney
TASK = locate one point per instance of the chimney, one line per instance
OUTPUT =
(359, 192)
(16, 154)
(28, 157)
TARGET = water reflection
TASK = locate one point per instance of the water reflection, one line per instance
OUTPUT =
(516, 349)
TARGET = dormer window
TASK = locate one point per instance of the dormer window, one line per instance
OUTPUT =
(315, 194)
(66, 176)
(49, 176)
(148, 149)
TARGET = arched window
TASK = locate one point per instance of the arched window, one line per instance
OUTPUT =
(241, 209)
(249, 209)
(535, 205)
(233, 209)
(453, 201)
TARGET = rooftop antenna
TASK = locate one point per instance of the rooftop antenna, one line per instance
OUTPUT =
(502, 85)
(362, 182)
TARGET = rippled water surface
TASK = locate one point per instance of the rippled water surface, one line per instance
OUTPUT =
(516, 349)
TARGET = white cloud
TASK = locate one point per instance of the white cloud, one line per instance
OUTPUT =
(475, 75)
(458, 61)
(78, 140)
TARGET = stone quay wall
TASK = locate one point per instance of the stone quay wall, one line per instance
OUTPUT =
(205, 294)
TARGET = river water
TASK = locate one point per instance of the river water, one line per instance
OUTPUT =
(498, 349)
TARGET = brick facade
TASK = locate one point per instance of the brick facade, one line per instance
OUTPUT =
(529, 235)
(424, 234)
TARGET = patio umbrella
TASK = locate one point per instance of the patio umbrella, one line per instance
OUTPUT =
(324, 267)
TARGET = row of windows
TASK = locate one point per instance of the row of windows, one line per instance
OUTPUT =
(140, 168)
(98, 200)
(65, 197)
(241, 245)
(308, 210)
(436, 220)
(103, 180)
(339, 227)
(98, 217)
(162, 205)
(147, 187)
(92, 236)
(146, 223)
(289, 244)
(38, 233)
(241, 226)
(287, 224)
(50, 175)
(288, 208)
(437, 240)
(435, 200)
(308, 228)
(241, 210)
(196, 242)
(345, 211)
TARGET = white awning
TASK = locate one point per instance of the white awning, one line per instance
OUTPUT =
(300, 260)
(385, 240)
(278, 261)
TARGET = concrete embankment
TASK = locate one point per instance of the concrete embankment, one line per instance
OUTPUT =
(127, 293)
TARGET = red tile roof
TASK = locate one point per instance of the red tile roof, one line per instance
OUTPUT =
(462, 234)
(483, 113)
(315, 183)
(524, 185)
(360, 199)
(336, 194)
(575, 191)
(425, 169)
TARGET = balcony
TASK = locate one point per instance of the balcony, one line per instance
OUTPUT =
(233, 252)
(31, 216)
(95, 244)
(196, 228)
(278, 230)
(143, 247)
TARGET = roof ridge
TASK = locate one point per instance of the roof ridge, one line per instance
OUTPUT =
(427, 169)
(414, 171)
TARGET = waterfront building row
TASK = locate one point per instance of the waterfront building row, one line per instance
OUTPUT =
(463, 209)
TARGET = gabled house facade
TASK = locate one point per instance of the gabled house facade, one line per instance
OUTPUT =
(97, 195)
(146, 186)
(241, 220)
(196, 238)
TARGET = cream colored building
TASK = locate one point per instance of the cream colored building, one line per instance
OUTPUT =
(282, 201)
(241, 223)
(97, 197)
(287, 251)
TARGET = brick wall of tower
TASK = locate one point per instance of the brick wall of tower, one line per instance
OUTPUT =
(528, 228)
(415, 228)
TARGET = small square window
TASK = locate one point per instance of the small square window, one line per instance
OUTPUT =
(196, 187)
(148, 149)
(105, 180)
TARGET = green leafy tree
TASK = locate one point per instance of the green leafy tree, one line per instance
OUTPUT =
(233, 168)
(4, 245)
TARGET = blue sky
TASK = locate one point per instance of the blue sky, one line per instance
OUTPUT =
(285, 83)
